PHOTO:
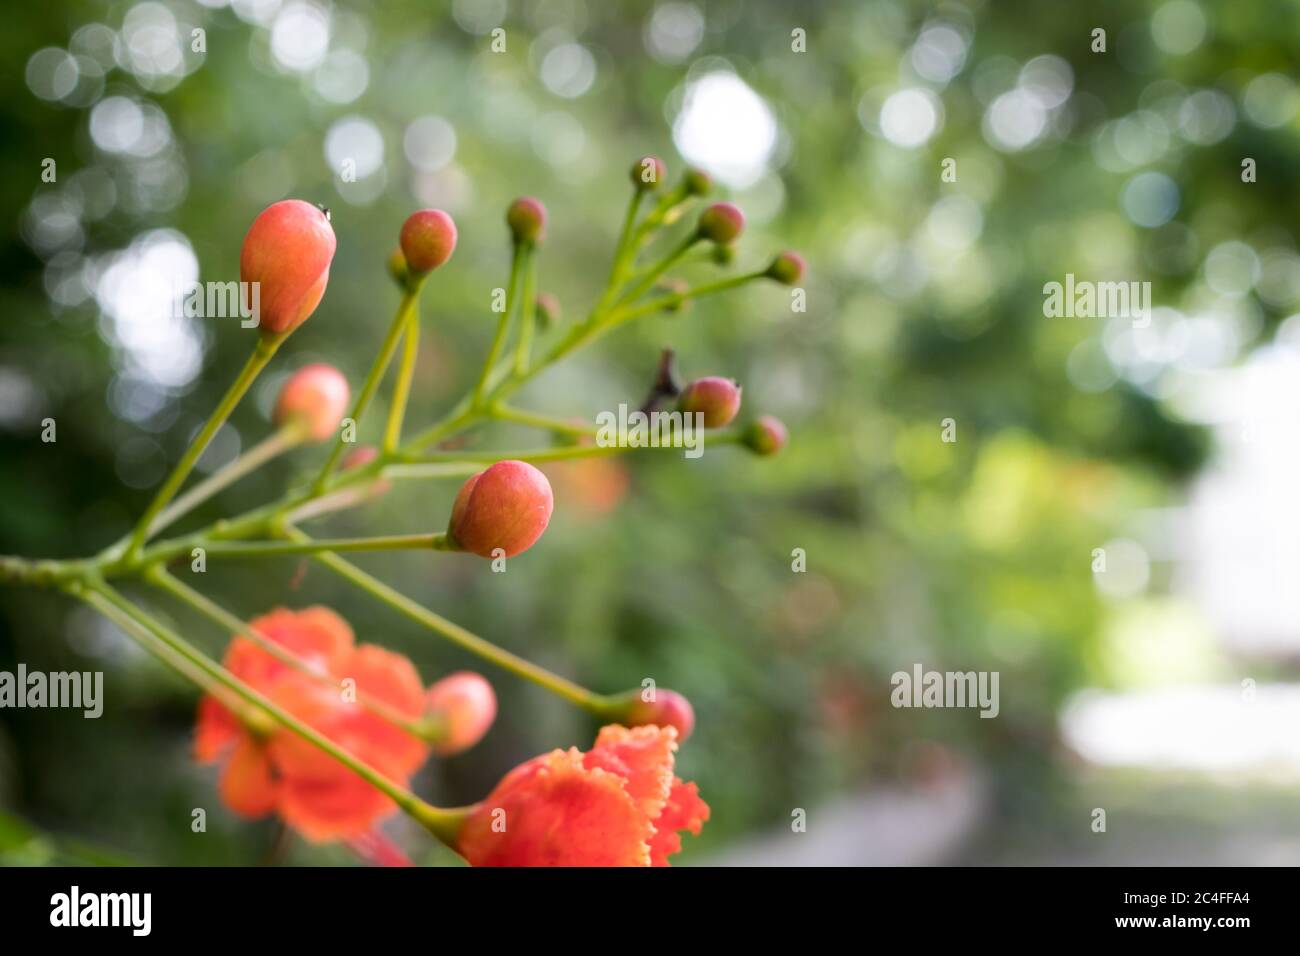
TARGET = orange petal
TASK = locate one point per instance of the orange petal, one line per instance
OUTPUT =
(215, 729)
(683, 811)
(247, 786)
(643, 756)
(554, 811)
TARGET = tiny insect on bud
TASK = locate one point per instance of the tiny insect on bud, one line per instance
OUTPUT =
(668, 709)
(721, 223)
(506, 507)
(397, 267)
(787, 267)
(767, 436)
(428, 239)
(313, 399)
(697, 182)
(287, 253)
(526, 218)
(648, 172)
(462, 705)
(714, 397)
(548, 310)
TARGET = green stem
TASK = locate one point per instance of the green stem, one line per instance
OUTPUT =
(262, 549)
(547, 422)
(647, 279)
(402, 388)
(624, 251)
(527, 306)
(410, 300)
(592, 702)
(224, 619)
(517, 256)
(619, 316)
(266, 348)
(277, 443)
(442, 823)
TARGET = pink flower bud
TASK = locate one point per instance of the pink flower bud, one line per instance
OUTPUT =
(361, 456)
(716, 398)
(697, 182)
(548, 310)
(721, 223)
(668, 709)
(507, 507)
(287, 252)
(313, 399)
(767, 436)
(648, 172)
(787, 267)
(428, 239)
(463, 705)
(526, 218)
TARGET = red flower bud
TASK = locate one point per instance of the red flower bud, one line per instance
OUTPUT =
(526, 218)
(697, 182)
(507, 507)
(767, 436)
(721, 223)
(716, 398)
(287, 252)
(428, 239)
(668, 709)
(648, 172)
(314, 399)
(787, 267)
(464, 705)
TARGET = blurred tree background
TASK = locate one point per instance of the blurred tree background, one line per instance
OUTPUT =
(829, 123)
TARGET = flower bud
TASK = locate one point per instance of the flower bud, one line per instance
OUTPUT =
(548, 310)
(648, 172)
(287, 253)
(668, 709)
(724, 255)
(507, 506)
(716, 398)
(677, 289)
(787, 267)
(397, 267)
(313, 399)
(361, 456)
(721, 223)
(428, 239)
(462, 705)
(697, 182)
(767, 436)
(526, 218)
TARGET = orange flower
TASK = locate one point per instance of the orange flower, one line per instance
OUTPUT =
(274, 770)
(619, 804)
